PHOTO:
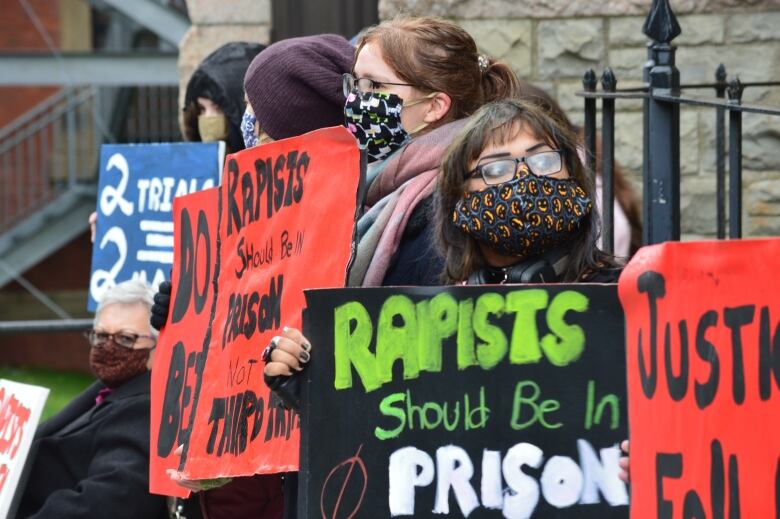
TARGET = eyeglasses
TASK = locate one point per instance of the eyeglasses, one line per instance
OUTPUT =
(498, 171)
(351, 83)
(126, 340)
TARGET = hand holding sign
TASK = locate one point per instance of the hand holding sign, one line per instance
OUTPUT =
(287, 353)
(161, 306)
(625, 470)
(191, 484)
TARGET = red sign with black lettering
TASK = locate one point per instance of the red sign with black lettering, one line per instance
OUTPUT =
(286, 221)
(703, 360)
(185, 338)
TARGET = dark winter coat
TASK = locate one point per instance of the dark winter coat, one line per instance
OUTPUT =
(93, 461)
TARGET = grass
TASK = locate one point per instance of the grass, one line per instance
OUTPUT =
(63, 385)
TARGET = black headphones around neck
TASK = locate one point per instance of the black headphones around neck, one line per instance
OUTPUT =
(539, 269)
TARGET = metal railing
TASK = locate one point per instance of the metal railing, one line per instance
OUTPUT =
(46, 151)
(662, 97)
(45, 326)
(55, 146)
(152, 115)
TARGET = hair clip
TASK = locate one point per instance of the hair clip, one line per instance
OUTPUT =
(483, 63)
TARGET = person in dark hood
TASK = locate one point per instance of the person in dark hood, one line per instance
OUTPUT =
(214, 101)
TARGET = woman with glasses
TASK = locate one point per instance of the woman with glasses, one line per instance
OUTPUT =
(412, 84)
(92, 458)
(516, 204)
(513, 205)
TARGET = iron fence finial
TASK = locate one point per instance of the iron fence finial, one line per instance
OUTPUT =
(661, 23)
(608, 80)
(589, 80)
(734, 91)
(720, 73)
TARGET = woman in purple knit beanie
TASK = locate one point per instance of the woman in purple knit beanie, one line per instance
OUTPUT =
(294, 87)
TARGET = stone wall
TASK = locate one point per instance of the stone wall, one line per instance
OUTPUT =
(553, 42)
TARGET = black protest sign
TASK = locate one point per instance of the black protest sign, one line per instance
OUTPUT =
(464, 401)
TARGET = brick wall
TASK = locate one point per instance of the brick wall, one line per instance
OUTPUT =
(18, 34)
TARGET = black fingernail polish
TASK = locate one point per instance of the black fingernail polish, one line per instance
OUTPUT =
(306, 346)
(304, 356)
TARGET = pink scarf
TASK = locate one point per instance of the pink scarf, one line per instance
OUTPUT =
(412, 171)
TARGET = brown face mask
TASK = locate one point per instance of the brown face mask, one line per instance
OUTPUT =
(212, 128)
(114, 365)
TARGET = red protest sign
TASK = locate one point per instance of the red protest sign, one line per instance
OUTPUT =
(287, 220)
(20, 409)
(703, 360)
(185, 337)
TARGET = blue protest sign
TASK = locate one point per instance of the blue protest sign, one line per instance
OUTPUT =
(138, 182)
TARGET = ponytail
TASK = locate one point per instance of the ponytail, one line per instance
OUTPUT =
(438, 55)
(499, 82)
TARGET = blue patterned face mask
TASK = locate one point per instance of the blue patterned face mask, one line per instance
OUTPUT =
(248, 123)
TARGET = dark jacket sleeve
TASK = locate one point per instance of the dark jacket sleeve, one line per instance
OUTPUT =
(417, 262)
(117, 481)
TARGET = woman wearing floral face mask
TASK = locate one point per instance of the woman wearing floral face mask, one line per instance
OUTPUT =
(413, 83)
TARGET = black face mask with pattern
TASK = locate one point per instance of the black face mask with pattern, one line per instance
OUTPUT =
(374, 118)
(527, 216)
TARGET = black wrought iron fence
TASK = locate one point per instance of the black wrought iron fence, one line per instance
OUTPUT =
(662, 97)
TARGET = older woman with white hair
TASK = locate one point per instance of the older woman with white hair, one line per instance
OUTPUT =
(92, 458)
